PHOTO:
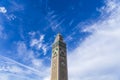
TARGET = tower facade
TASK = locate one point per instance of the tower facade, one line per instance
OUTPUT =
(59, 59)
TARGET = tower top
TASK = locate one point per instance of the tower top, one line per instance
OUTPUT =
(58, 38)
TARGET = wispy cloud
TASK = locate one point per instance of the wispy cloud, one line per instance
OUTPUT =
(10, 17)
(55, 21)
(15, 6)
(32, 34)
(9, 11)
(97, 58)
(38, 43)
(27, 55)
(3, 35)
(30, 57)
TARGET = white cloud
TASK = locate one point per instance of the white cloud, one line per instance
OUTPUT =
(97, 58)
(3, 10)
(38, 43)
(29, 56)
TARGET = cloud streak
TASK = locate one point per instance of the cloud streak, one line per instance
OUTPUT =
(11, 69)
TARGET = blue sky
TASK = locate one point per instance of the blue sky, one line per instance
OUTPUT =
(90, 29)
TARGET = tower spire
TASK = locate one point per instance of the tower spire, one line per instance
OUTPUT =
(58, 38)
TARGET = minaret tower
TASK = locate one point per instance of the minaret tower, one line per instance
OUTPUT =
(59, 59)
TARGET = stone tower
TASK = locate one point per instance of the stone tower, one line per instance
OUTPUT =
(59, 59)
